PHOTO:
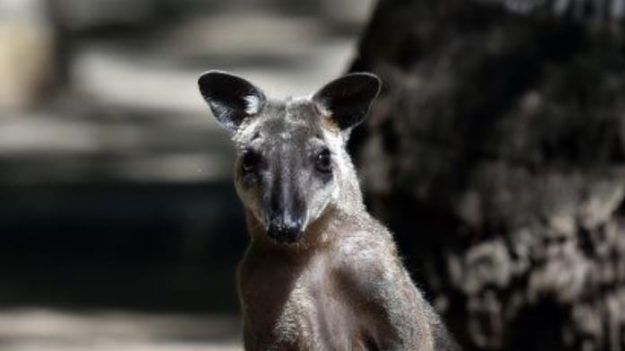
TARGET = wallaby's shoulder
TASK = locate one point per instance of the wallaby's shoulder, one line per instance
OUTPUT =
(364, 244)
(362, 231)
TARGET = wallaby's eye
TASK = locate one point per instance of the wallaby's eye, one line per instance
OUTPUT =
(249, 161)
(323, 161)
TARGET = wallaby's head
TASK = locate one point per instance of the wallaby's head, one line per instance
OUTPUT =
(292, 164)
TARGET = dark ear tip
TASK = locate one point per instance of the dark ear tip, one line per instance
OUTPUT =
(210, 76)
(370, 80)
(207, 75)
(217, 82)
(365, 75)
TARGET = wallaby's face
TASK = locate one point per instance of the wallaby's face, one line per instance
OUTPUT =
(289, 152)
(284, 173)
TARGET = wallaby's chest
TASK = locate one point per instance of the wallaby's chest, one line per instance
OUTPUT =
(310, 308)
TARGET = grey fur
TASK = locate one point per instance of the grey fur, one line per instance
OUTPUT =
(333, 280)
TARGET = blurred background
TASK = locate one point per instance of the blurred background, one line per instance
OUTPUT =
(495, 152)
(119, 226)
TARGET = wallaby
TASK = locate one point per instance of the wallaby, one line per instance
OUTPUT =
(319, 273)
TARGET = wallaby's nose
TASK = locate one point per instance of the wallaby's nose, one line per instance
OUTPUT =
(285, 230)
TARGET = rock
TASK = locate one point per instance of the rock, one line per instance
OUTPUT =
(496, 153)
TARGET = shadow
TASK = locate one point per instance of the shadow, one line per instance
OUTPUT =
(133, 246)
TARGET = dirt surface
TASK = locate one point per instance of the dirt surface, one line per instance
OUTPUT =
(52, 330)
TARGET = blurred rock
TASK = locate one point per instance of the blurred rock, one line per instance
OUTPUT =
(497, 154)
(597, 10)
(87, 14)
(26, 52)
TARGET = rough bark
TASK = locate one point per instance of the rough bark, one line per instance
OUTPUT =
(496, 153)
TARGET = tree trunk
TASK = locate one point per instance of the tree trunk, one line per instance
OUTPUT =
(496, 153)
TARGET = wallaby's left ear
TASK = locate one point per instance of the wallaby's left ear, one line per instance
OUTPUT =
(346, 100)
(232, 99)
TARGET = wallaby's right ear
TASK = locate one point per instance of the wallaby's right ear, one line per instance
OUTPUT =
(231, 99)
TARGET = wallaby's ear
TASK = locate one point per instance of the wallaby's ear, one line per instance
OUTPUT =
(231, 99)
(346, 100)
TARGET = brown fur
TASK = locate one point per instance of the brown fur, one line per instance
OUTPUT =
(347, 293)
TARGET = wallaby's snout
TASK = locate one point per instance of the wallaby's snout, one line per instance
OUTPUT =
(286, 210)
(292, 161)
(284, 229)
